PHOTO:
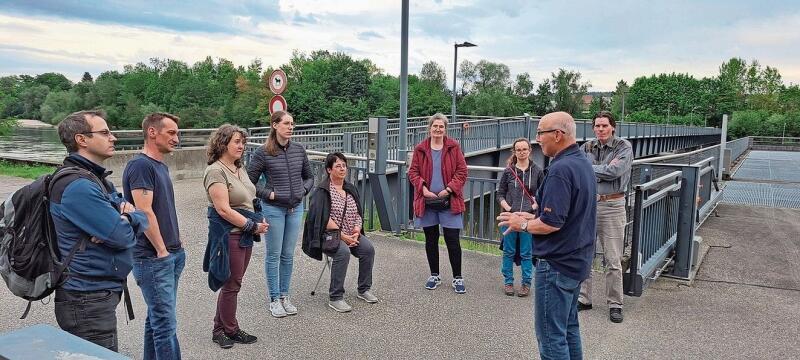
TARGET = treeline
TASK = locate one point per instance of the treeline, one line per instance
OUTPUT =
(331, 86)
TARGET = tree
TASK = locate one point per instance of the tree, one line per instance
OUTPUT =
(53, 81)
(568, 91)
(32, 99)
(543, 99)
(619, 100)
(523, 86)
(87, 77)
(432, 72)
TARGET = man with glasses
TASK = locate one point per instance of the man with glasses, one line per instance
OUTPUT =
(611, 158)
(94, 224)
(159, 255)
(564, 227)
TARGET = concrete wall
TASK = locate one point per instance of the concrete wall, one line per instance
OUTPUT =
(183, 163)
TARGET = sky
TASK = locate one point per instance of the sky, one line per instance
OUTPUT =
(606, 41)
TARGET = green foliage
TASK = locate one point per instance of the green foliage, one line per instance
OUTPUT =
(7, 126)
(568, 91)
(24, 170)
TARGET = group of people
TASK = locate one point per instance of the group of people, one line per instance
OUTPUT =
(551, 220)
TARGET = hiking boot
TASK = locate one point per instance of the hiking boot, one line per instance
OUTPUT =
(458, 286)
(340, 306)
(615, 314)
(276, 309)
(368, 297)
(509, 290)
(524, 291)
(582, 306)
(288, 307)
(223, 340)
(433, 282)
(242, 337)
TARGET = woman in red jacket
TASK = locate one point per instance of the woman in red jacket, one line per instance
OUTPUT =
(438, 172)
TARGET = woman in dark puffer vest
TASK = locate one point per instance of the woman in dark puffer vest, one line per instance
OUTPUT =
(288, 175)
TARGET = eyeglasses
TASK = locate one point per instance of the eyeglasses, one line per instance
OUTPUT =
(540, 132)
(104, 132)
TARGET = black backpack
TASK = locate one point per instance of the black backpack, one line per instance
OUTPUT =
(30, 261)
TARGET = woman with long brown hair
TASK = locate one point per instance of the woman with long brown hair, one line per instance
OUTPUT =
(516, 192)
(233, 225)
(285, 166)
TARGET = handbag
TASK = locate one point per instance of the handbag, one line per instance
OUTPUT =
(331, 238)
(439, 203)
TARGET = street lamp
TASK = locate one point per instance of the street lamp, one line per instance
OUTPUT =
(455, 69)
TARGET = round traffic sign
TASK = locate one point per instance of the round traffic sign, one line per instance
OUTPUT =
(277, 82)
(277, 103)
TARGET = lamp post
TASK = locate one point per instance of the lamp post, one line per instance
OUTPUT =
(455, 69)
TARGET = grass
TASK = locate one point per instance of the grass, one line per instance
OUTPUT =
(24, 171)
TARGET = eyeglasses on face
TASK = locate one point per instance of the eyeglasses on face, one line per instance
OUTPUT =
(104, 132)
(540, 132)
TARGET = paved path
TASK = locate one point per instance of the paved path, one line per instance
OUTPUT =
(747, 316)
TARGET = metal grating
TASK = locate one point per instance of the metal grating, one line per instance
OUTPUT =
(773, 166)
(760, 194)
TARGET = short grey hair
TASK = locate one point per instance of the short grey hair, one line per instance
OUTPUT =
(567, 124)
(74, 124)
(437, 116)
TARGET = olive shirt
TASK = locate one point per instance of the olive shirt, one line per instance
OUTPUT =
(241, 190)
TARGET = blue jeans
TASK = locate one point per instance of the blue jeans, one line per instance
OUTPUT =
(284, 227)
(556, 314)
(525, 252)
(158, 279)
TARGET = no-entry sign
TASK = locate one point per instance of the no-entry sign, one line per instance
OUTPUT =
(277, 82)
(277, 103)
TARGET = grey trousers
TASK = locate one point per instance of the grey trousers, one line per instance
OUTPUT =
(611, 220)
(366, 258)
(90, 315)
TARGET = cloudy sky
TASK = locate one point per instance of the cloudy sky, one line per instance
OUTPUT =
(605, 40)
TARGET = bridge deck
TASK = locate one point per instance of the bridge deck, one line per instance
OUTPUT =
(744, 304)
(768, 179)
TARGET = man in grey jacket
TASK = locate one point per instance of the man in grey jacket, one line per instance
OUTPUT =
(611, 159)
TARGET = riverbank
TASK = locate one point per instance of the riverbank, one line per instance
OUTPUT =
(10, 168)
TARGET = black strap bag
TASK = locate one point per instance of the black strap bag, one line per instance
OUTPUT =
(331, 238)
(439, 203)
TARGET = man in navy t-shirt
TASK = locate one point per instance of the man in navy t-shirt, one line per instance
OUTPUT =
(158, 255)
(564, 232)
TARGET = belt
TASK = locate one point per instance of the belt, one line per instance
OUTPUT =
(609, 197)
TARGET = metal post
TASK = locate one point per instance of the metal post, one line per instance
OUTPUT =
(686, 221)
(455, 69)
(722, 142)
(378, 154)
(402, 152)
(347, 143)
(527, 126)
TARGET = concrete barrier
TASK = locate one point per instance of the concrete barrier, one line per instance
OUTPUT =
(183, 163)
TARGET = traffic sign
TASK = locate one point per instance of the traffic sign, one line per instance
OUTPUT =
(277, 103)
(277, 82)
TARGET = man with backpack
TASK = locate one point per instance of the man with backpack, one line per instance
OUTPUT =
(96, 228)
(159, 257)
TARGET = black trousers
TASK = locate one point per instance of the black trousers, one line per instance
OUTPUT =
(451, 239)
(89, 315)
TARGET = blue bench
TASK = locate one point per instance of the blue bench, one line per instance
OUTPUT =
(44, 342)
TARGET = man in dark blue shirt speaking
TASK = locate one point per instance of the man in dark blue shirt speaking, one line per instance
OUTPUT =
(564, 232)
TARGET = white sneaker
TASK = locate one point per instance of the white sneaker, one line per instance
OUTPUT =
(340, 306)
(288, 307)
(277, 310)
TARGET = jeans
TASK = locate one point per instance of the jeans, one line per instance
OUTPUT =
(284, 227)
(525, 252)
(227, 300)
(158, 279)
(556, 314)
(365, 253)
(90, 315)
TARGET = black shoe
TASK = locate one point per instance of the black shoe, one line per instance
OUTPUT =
(615, 314)
(223, 340)
(582, 306)
(242, 337)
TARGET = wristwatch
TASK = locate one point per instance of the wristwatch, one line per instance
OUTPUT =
(524, 226)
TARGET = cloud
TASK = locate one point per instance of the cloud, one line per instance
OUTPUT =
(368, 35)
(208, 16)
(307, 19)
